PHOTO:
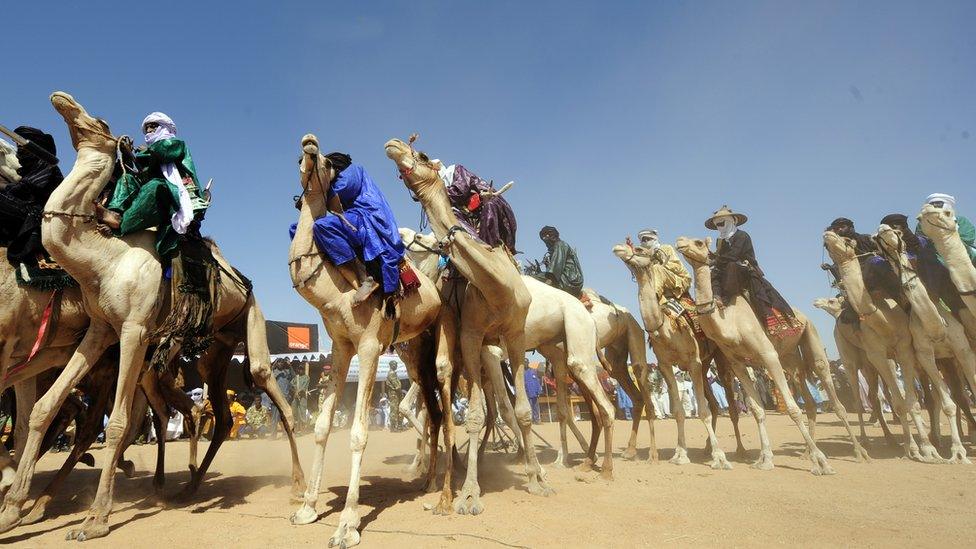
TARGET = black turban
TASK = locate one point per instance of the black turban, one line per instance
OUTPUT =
(339, 161)
(29, 162)
(548, 229)
(841, 222)
(900, 222)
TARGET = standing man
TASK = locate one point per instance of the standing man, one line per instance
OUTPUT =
(393, 396)
(299, 401)
(282, 374)
(534, 389)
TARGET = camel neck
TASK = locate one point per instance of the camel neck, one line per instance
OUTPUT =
(473, 259)
(853, 281)
(956, 257)
(703, 285)
(72, 240)
(649, 301)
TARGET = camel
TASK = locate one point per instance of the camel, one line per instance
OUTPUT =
(741, 338)
(674, 344)
(121, 284)
(561, 329)
(364, 330)
(8, 164)
(940, 226)
(885, 335)
(853, 354)
(496, 306)
(936, 333)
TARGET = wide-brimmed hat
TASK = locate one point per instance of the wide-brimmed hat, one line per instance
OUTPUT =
(740, 219)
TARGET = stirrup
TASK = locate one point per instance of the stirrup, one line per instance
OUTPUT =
(672, 305)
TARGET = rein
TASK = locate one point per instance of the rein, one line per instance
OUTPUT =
(90, 218)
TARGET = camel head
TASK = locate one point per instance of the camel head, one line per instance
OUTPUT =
(315, 169)
(696, 250)
(86, 131)
(418, 172)
(833, 305)
(421, 249)
(635, 257)
(892, 245)
(8, 164)
(937, 222)
(839, 248)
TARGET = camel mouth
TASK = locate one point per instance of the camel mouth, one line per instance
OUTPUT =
(395, 149)
(310, 144)
(65, 104)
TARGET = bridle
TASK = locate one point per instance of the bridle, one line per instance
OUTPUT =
(88, 218)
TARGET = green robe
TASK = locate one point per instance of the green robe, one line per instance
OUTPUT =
(967, 233)
(147, 200)
(565, 268)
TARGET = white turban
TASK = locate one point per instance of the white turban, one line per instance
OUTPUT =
(167, 130)
(653, 241)
(948, 201)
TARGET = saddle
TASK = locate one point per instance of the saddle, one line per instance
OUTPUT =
(683, 311)
(44, 275)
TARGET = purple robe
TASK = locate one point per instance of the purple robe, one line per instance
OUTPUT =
(494, 218)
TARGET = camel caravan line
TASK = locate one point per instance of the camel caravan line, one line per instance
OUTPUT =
(125, 288)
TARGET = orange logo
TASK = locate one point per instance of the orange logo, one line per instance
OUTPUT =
(300, 338)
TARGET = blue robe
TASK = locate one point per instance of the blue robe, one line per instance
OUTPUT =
(375, 235)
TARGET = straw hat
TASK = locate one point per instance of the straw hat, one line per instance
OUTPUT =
(740, 219)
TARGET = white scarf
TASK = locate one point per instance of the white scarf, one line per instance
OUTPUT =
(167, 130)
(948, 201)
(446, 173)
(726, 226)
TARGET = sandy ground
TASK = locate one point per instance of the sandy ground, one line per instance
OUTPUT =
(245, 499)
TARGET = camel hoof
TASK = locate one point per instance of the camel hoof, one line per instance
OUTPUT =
(87, 459)
(719, 462)
(606, 474)
(959, 456)
(680, 457)
(820, 465)
(87, 533)
(928, 454)
(540, 488)
(344, 537)
(862, 455)
(9, 518)
(629, 454)
(127, 467)
(585, 467)
(37, 511)
(304, 515)
(468, 501)
(764, 463)
(7, 478)
(444, 507)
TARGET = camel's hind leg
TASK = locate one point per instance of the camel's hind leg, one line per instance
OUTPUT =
(765, 461)
(536, 475)
(680, 456)
(342, 353)
(446, 352)
(256, 341)
(564, 413)
(725, 375)
(926, 360)
(719, 460)
(469, 499)
(618, 360)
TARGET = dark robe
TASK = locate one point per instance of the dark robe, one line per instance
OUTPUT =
(492, 217)
(564, 267)
(736, 272)
(22, 203)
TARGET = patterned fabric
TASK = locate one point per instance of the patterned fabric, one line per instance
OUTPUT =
(780, 325)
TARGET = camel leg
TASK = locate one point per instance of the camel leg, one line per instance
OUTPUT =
(965, 370)
(173, 396)
(940, 392)
(711, 402)
(765, 461)
(564, 413)
(98, 337)
(493, 374)
(680, 456)
(874, 381)
(699, 381)
(149, 384)
(618, 361)
(342, 353)
(809, 404)
(821, 366)
(853, 362)
(260, 361)
(444, 362)
(468, 500)
(418, 421)
(132, 342)
(725, 374)
(26, 393)
(515, 344)
(369, 348)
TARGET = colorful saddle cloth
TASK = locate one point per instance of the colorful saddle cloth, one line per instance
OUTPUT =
(46, 275)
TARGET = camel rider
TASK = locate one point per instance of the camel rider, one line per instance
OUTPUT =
(671, 279)
(922, 253)
(562, 264)
(736, 272)
(164, 193)
(967, 232)
(877, 274)
(22, 203)
(491, 216)
(360, 230)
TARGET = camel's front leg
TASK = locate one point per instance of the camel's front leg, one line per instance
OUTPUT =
(25, 393)
(149, 383)
(636, 394)
(822, 367)
(342, 353)
(444, 361)
(347, 533)
(957, 453)
(132, 352)
(98, 337)
(491, 357)
(515, 343)
(469, 499)
(418, 421)
(719, 460)
(600, 408)
(724, 370)
(770, 360)
(680, 456)
(564, 413)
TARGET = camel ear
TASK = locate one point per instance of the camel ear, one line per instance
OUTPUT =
(708, 242)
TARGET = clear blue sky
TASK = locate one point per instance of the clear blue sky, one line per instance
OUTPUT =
(609, 117)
